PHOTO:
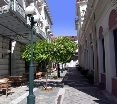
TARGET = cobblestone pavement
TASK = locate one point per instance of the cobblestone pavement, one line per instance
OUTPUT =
(13, 94)
(78, 91)
(43, 97)
(18, 95)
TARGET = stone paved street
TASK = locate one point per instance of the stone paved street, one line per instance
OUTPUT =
(43, 97)
(18, 95)
(13, 94)
(78, 91)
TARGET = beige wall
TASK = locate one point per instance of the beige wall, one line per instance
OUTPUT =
(102, 12)
(103, 21)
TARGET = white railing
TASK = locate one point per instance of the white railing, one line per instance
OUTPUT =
(20, 9)
(15, 6)
(39, 31)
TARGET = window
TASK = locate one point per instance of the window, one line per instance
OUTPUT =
(103, 55)
(82, 13)
(115, 43)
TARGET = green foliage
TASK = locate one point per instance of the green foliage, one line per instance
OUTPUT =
(60, 51)
(26, 52)
(43, 51)
(64, 49)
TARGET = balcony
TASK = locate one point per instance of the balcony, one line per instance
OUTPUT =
(40, 33)
(76, 23)
(13, 22)
(82, 1)
(3, 2)
(49, 31)
(15, 8)
(47, 26)
(39, 3)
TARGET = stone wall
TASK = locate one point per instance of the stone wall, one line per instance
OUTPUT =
(17, 64)
(4, 57)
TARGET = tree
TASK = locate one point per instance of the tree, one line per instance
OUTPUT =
(41, 54)
(43, 51)
(26, 53)
(59, 51)
(64, 49)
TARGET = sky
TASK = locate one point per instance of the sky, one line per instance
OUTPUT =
(63, 16)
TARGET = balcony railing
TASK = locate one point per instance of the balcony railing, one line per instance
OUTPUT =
(39, 31)
(82, 0)
(16, 12)
(76, 23)
(20, 9)
(14, 6)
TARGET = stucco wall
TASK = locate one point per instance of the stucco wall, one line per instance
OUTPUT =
(108, 44)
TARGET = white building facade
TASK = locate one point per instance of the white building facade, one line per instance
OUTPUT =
(15, 32)
(98, 47)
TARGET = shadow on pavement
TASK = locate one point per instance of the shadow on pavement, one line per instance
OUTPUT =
(49, 83)
(75, 80)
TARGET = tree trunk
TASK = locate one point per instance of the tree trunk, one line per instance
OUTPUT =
(46, 80)
(62, 68)
(58, 70)
(46, 67)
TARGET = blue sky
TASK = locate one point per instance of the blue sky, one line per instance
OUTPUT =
(63, 15)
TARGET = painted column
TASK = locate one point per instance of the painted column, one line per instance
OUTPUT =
(111, 81)
(96, 72)
(110, 62)
(89, 58)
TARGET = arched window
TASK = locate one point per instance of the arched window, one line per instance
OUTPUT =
(112, 19)
(112, 26)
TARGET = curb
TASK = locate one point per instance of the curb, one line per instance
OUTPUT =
(19, 99)
(60, 96)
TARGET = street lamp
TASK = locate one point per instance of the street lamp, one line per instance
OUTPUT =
(30, 10)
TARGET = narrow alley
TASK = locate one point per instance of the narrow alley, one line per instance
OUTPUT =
(54, 52)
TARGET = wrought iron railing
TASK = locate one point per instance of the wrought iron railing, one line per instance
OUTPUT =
(20, 9)
(15, 6)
